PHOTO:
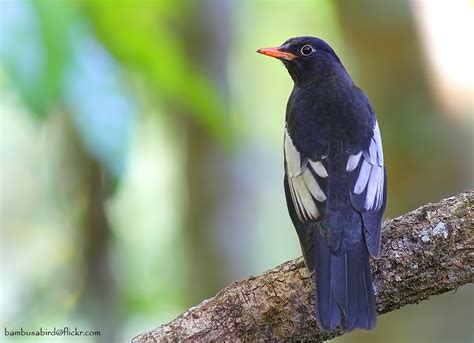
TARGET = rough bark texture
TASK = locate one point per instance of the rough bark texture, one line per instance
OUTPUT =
(425, 252)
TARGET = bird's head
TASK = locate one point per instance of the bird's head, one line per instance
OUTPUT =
(307, 59)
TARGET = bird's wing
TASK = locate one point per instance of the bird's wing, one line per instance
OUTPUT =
(368, 182)
(306, 182)
(305, 189)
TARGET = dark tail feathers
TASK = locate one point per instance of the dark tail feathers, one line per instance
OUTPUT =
(344, 288)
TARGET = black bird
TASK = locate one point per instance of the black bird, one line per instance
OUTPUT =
(335, 180)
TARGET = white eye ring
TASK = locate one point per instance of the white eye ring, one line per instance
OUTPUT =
(305, 51)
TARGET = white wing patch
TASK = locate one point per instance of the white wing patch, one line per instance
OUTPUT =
(353, 161)
(371, 175)
(318, 167)
(304, 187)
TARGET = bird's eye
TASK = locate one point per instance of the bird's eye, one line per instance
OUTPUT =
(307, 50)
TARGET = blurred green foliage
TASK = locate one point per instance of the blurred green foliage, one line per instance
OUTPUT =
(36, 52)
(146, 42)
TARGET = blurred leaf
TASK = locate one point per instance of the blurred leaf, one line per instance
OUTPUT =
(98, 100)
(53, 59)
(140, 36)
(34, 49)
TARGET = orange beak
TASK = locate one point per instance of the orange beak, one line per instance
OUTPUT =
(277, 53)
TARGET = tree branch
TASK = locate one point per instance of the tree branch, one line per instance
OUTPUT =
(425, 252)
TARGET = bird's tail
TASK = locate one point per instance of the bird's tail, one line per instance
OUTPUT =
(344, 292)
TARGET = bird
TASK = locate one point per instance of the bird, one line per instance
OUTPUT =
(335, 181)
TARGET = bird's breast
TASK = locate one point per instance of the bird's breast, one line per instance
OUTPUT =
(322, 116)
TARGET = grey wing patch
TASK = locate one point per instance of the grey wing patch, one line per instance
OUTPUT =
(303, 184)
(371, 177)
